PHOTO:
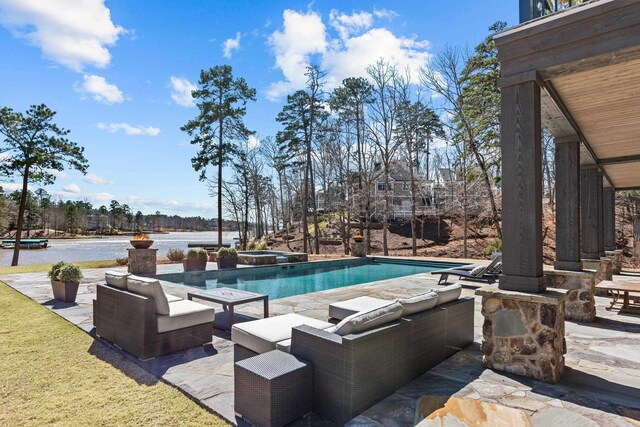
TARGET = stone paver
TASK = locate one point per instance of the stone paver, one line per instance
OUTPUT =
(601, 385)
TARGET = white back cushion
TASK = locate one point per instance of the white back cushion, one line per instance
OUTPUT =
(116, 279)
(369, 319)
(149, 288)
(448, 293)
(418, 303)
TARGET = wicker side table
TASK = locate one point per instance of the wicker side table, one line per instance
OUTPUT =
(273, 389)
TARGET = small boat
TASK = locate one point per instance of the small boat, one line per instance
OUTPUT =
(25, 243)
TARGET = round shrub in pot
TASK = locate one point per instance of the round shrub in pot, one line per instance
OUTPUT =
(227, 258)
(65, 279)
(196, 260)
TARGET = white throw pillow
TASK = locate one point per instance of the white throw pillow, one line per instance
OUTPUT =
(149, 288)
(448, 293)
(418, 303)
(365, 320)
(116, 279)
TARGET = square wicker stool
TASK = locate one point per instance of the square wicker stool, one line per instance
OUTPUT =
(273, 389)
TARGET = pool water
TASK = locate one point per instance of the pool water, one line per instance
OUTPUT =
(281, 282)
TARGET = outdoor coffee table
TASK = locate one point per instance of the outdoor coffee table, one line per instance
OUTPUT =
(229, 298)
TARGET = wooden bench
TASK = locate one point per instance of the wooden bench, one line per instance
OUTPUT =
(619, 292)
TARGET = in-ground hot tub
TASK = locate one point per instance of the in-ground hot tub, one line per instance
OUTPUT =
(270, 257)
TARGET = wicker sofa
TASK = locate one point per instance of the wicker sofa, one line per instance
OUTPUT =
(352, 372)
(130, 321)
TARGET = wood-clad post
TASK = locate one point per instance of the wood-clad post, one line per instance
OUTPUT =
(568, 204)
(609, 218)
(589, 209)
(521, 140)
(600, 215)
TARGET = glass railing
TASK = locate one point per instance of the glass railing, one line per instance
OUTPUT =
(532, 9)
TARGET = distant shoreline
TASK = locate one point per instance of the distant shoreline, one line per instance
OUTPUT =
(37, 234)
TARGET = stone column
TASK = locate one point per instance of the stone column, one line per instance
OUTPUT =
(523, 333)
(142, 261)
(568, 204)
(521, 138)
(609, 218)
(590, 211)
(580, 302)
(359, 249)
(600, 214)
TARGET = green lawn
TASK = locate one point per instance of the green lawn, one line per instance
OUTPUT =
(38, 268)
(53, 373)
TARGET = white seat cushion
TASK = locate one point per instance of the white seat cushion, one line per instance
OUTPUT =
(116, 279)
(418, 303)
(343, 309)
(261, 336)
(370, 319)
(448, 293)
(172, 298)
(149, 288)
(286, 344)
(185, 313)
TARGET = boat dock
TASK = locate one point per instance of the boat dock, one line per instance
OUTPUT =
(25, 243)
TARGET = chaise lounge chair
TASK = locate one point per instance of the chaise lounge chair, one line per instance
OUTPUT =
(474, 272)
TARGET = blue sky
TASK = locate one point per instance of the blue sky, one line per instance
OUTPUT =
(118, 73)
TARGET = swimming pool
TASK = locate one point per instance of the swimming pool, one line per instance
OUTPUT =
(288, 280)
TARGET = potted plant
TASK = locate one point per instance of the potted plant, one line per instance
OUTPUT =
(196, 260)
(227, 258)
(65, 279)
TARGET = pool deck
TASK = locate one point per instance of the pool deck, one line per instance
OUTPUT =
(601, 385)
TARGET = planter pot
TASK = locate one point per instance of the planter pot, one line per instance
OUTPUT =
(227, 262)
(194, 265)
(64, 292)
(141, 244)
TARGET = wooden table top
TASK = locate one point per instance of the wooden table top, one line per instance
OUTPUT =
(610, 285)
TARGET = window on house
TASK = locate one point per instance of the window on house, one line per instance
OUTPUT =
(380, 186)
(406, 187)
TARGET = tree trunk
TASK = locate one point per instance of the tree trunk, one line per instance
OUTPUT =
(220, 157)
(487, 183)
(414, 249)
(385, 216)
(23, 203)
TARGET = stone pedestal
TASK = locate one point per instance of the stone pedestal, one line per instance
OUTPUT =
(359, 249)
(602, 267)
(580, 302)
(523, 333)
(616, 260)
(142, 261)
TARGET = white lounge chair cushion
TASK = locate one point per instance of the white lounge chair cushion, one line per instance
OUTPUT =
(343, 309)
(172, 298)
(262, 335)
(149, 288)
(477, 271)
(185, 313)
(448, 293)
(418, 303)
(117, 279)
(370, 319)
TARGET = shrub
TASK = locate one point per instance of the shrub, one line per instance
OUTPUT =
(261, 246)
(176, 255)
(122, 261)
(197, 254)
(227, 253)
(251, 245)
(69, 273)
(55, 270)
(493, 246)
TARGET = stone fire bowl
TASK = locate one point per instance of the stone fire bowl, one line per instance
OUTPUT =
(141, 244)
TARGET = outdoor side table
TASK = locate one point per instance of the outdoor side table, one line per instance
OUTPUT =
(229, 298)
(273, 389)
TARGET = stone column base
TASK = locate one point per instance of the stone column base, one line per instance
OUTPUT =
(580, 302)
(359, 249)
(616, 260)
(143, 261)
(523, 333)
(602, 268)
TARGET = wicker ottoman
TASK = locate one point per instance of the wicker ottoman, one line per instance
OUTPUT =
(273, 389)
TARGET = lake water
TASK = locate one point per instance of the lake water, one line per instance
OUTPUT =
(105, 248)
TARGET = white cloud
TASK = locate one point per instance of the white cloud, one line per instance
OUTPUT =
(385, 13)
(72, 188)
(58, 174)
(230, 45)
(92, 178)
(345, 49)
(129, 129)
(99, 89)
(181, 89)
(302, 35)
(253, 142)
(71, 32)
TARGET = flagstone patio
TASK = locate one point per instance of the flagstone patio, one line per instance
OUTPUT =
(600, 387)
